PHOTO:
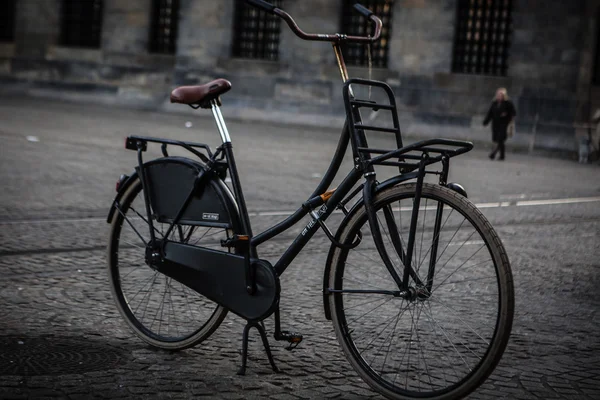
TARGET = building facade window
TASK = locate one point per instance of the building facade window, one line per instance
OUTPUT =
(7, 20)
(482, 38)
(163, 27)
(255, 32)
(81, 23)
(355, 24)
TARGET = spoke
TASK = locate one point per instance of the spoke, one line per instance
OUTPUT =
(464, 345)
(449, 362)
(450, 241)
(418, 346)
(450, 341)
(173, 309)
(190, 233)
(377, 263)
(131, 225)
(187, 301)
(462, 280)
(438, 236)
(149, 280)
(162, 308)
(392, 339)
(365, 332)
(201, 237)
(443, 304)
(408, 350)
(132, 271)
(352, 277)
(149, 296)
(375, 338)
(466, 280)
(367, 257)
(378, 298)
(457, 250)
(145, 220)
(460, 266)
(370, 311)
(423, 355)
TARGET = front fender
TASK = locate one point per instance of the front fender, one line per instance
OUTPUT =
(396, 180)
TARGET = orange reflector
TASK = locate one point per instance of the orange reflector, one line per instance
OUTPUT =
(325, 196)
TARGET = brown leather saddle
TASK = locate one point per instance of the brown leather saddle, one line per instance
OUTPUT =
(201, 95)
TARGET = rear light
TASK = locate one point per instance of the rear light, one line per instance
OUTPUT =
(122, 179)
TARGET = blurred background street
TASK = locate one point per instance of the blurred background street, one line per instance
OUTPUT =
(62, 336)
(78, 76)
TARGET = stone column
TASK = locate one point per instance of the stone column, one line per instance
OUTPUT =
(37, 27)
(313, 16)
(422, 36)
(126, 27)
(205, 30)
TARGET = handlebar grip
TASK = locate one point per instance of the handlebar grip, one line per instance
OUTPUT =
(263, 5)
(363, 10)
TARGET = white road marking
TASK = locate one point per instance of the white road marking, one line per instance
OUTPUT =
(557, 201)
(286, 213)
(513, 196)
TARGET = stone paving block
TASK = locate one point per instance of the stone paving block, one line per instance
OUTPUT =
(553, 251)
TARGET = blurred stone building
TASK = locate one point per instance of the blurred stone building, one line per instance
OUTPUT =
(443, 58)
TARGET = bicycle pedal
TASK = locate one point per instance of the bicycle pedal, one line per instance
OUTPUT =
(292, 338)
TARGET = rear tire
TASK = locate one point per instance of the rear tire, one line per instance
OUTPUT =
(161, 311)
(445, 343)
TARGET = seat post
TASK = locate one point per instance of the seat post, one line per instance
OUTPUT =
(233, 172)
(220, 121)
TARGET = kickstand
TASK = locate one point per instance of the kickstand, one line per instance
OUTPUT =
(260, 328)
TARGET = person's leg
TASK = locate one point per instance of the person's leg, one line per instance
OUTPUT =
(501, 147)
(493, 153)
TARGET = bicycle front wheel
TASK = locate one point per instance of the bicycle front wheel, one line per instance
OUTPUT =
(160, 310)
(445, 339)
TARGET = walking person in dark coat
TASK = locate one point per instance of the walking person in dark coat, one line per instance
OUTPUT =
(501, 114)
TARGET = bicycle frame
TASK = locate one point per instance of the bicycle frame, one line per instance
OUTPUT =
(183, 194)
(322, 203)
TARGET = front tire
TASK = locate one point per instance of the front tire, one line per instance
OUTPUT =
(444, 343)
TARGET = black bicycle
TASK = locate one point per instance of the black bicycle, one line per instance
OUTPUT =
(417, 283)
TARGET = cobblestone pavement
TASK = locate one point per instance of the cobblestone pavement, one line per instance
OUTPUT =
(58, 319)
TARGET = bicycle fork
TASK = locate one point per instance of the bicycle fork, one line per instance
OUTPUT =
(406, 256)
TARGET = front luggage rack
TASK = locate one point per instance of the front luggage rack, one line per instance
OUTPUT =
(353, 106)
(406, 158)
(429, 151)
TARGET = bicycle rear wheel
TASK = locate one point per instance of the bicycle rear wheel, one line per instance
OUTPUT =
(160, 310)
(445, 340)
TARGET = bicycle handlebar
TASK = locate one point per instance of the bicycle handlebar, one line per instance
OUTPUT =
(263, 5)
(270, 8)
(363, 10)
